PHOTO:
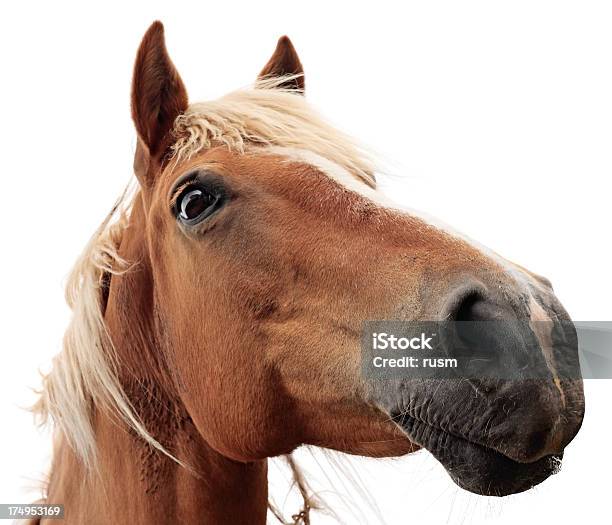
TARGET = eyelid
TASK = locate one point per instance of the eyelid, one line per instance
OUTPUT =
(178, 191)
(207, 180)
(180, 185)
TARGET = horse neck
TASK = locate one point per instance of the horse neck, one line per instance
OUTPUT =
(132, 482)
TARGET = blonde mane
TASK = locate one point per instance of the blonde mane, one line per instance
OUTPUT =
(84, 373)
(267, 115)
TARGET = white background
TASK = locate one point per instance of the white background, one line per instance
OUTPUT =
(498, 116)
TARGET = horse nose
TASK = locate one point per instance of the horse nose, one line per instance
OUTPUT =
(500, 354)
(473, 308)
(488, 337)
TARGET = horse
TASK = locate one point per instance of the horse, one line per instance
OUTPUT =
(218, 312)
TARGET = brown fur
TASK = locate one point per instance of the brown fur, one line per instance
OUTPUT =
(285, 62)
(158, 93)
(238, 340)
(224, 424)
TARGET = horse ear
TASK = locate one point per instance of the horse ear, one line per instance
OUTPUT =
(158, 93)
(285, 61)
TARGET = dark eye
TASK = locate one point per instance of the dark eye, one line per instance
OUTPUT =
(197, 195)
(195, 204)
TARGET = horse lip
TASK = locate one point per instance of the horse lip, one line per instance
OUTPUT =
(501, 475)
(518, 458)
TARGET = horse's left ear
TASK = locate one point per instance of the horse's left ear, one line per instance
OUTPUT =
(284, 62)
(158, 94)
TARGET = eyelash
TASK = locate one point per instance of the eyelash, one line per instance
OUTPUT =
(178, 191)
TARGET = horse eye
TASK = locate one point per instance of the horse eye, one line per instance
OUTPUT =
(195, 205)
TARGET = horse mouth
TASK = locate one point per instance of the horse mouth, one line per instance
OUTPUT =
(475, 467)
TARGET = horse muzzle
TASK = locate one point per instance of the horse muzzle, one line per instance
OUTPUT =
(499, 424)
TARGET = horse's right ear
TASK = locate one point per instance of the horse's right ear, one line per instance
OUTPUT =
(158, 97)
(285, 62)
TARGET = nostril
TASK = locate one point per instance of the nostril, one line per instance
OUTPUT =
(486, 337)
(475, 308)
(464, 334)
(469, 329)
(482, 334)
(459, 304)
(469, 309)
